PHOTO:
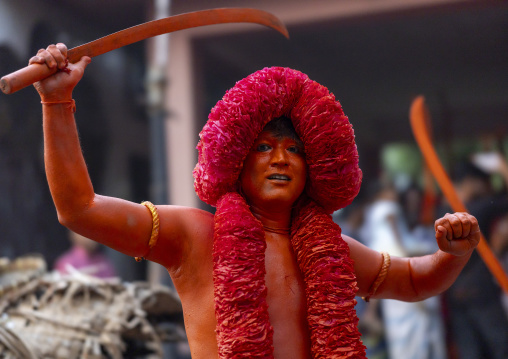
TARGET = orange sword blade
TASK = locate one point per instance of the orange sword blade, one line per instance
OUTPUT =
(28, 75)
(419, 117)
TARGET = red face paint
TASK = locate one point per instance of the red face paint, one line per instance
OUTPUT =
(274, 172)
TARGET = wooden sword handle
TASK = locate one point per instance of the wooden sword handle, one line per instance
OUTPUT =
(24, 77)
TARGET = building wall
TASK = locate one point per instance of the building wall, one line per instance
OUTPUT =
(185, 74)
(111, 118)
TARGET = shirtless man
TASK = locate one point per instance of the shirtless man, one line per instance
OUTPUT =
(272, 178)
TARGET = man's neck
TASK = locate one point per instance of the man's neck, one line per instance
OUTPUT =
(276, 220)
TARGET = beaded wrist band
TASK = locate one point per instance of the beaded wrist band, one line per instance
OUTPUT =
(380, 276)
(155, 228)
(72, 104)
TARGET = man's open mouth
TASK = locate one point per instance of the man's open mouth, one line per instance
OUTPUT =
(279, 177)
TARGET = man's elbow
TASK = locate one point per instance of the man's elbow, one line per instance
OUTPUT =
(65, 219)
(71, 213)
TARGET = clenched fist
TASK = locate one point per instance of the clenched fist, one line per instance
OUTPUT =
(457, 233)
(59, 86)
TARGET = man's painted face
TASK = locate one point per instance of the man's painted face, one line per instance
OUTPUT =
(274, 171)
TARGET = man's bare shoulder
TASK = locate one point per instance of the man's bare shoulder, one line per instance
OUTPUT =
(366, 263)
(184, 233)
(170, 208)
(192, 224)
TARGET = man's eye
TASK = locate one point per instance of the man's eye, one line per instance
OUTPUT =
(294, 149)
(263, 147)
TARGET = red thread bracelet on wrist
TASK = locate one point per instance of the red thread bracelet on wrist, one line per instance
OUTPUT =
(72, 104)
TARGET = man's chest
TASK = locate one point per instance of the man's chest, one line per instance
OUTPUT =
(284, 281)
(285, 299)
(287, 306)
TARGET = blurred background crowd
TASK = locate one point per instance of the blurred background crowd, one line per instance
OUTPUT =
(140, 108)
(396, 214)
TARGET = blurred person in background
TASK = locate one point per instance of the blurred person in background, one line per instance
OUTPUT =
(86, 256)
(419, 238)
(413, 330)
(499, 243)
(477, 322)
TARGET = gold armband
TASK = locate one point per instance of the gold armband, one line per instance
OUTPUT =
(380, 276)
(155, 228)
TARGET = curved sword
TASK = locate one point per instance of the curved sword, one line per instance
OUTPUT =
(419, 117)
(36, 72)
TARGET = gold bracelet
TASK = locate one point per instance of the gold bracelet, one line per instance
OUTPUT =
(155, 227)
(380, 276)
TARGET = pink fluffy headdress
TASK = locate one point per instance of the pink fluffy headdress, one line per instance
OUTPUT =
(334, 178)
